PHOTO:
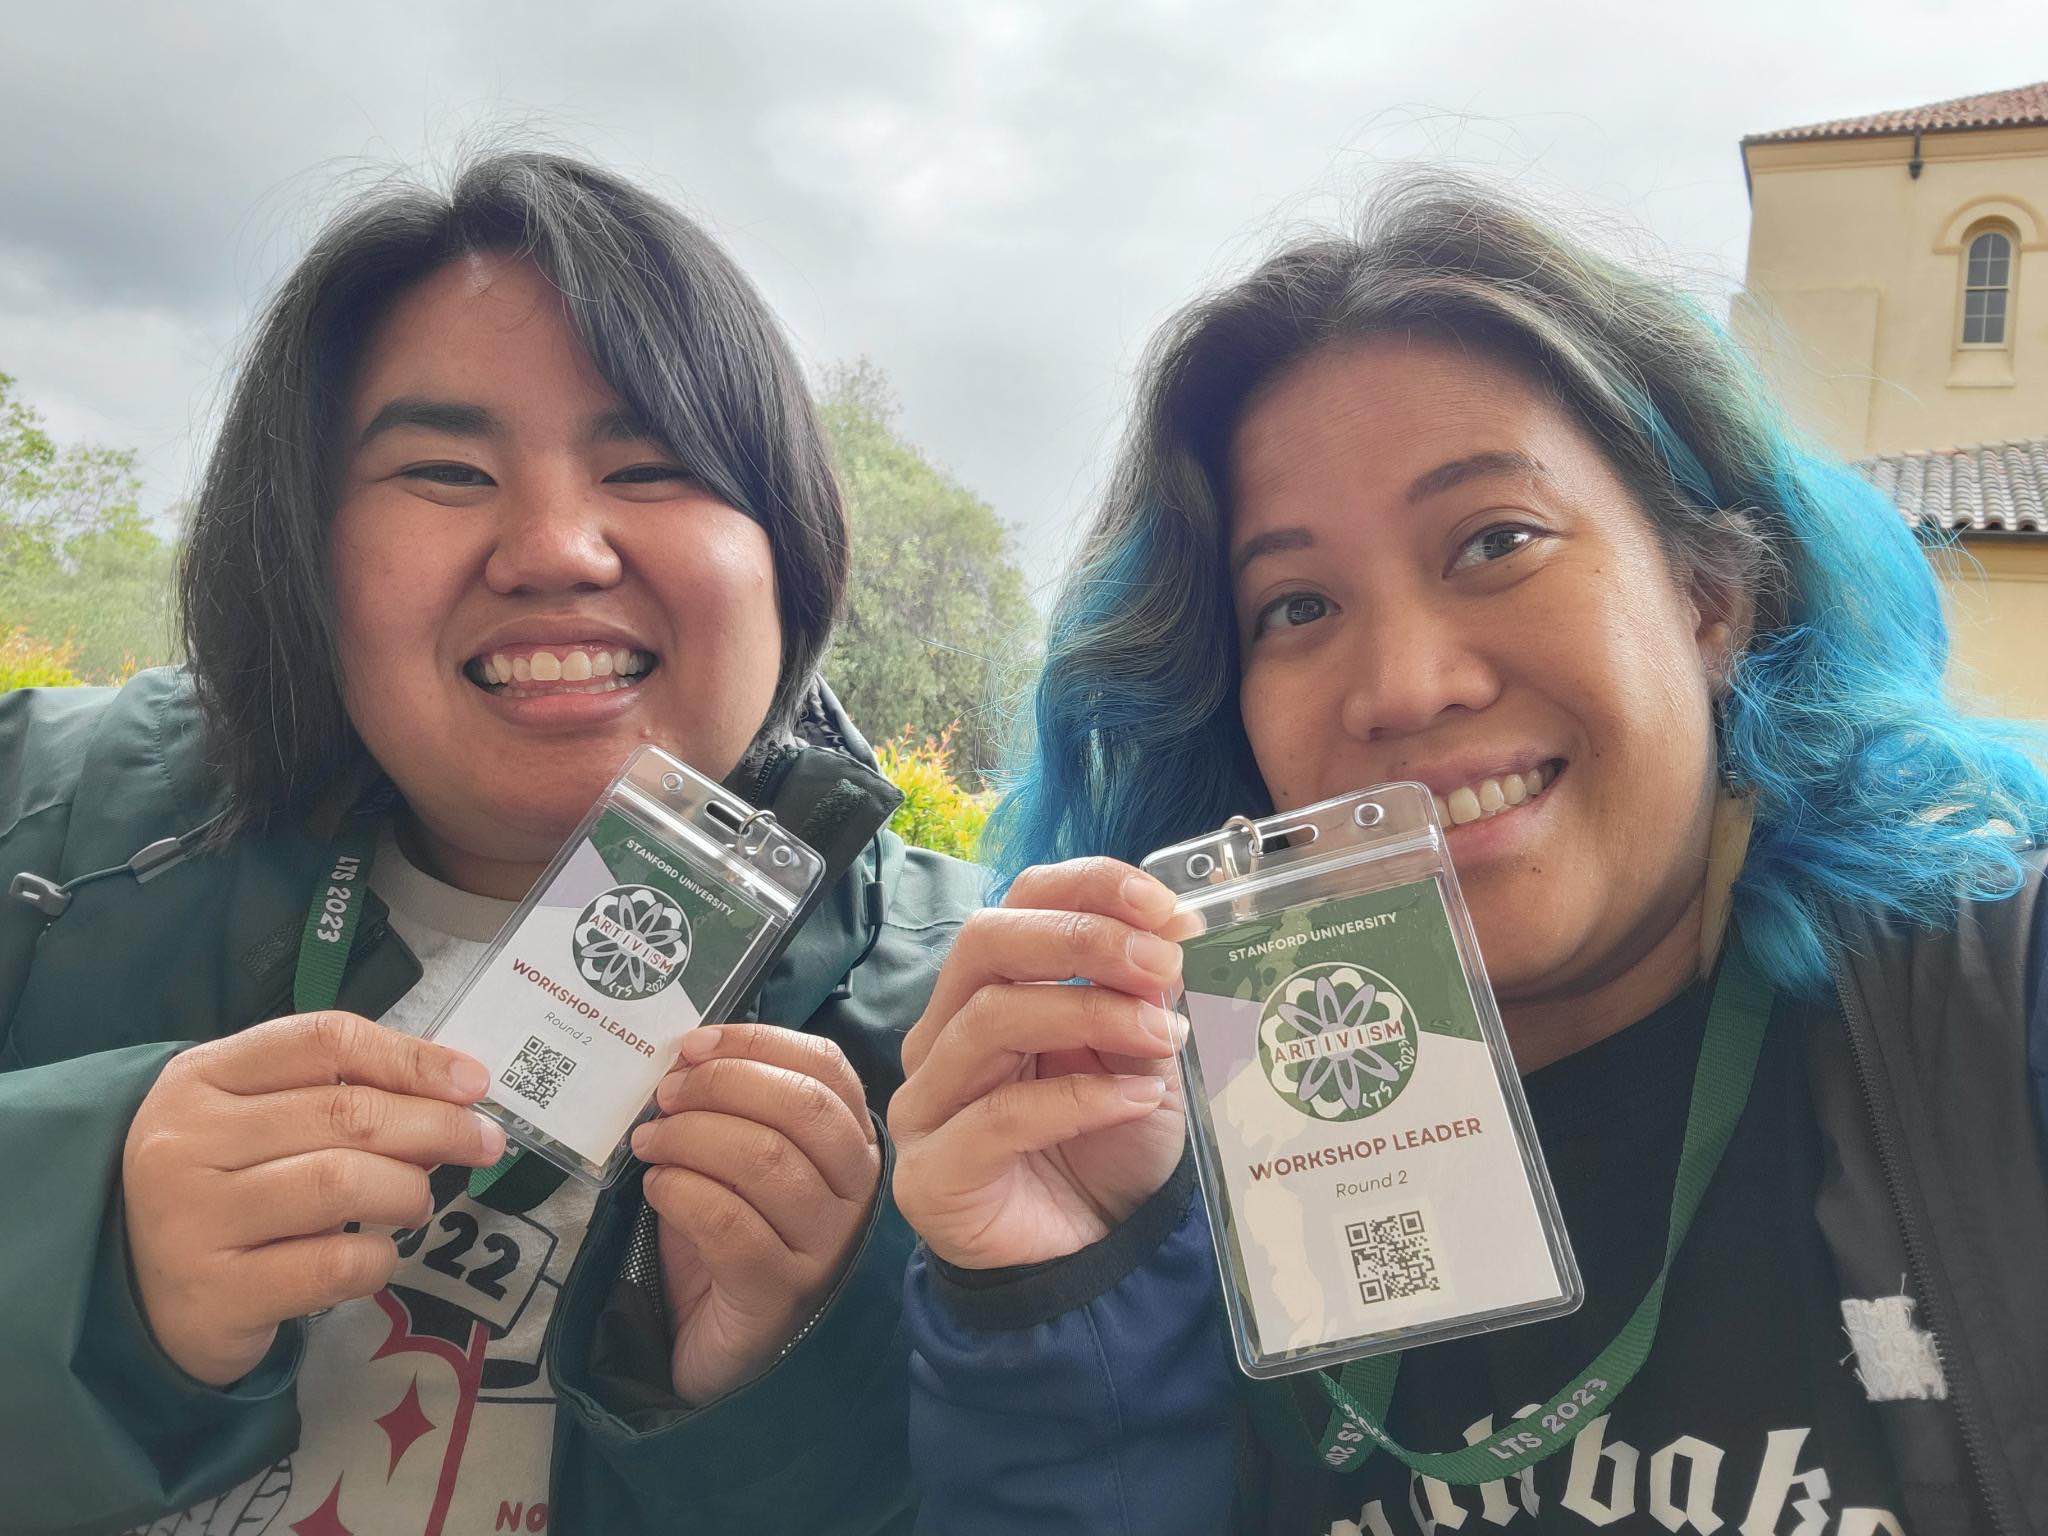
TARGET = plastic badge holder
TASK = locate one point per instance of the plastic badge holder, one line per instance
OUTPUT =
(1372, 1177)
(656, 917)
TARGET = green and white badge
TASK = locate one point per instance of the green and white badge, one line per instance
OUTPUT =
(655, 917)
(1372, 1178)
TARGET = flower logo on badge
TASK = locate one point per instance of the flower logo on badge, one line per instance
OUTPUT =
(631, 942)
(1337, 1041)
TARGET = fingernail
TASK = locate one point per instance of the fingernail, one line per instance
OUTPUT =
(670, 1088)
(494, 1139)
(469, 1077)
(1142, 1090)
(641, 1133)
(701, 1044)
(1166, 1026)
(1152, 899)
(1149, 952)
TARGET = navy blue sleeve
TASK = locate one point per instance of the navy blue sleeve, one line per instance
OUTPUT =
(1117, 1414)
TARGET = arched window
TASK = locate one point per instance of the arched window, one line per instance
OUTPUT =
(1987, 289)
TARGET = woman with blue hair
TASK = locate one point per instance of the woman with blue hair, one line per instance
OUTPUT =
(1456, 500)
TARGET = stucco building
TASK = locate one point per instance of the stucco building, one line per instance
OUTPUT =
(1897, 294)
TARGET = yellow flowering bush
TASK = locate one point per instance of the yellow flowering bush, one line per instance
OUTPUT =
(936, 812)
(29, 663)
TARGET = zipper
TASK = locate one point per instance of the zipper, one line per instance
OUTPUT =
(1961, 1390)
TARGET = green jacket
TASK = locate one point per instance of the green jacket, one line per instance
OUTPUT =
(99, 1430)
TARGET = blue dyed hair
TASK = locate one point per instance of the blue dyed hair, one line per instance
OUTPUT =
(1870, 788)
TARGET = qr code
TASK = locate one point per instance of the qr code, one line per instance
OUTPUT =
(537, 1071)
(1391, 1257)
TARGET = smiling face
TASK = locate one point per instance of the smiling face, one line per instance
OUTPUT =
(1439, 576)
(528, 584)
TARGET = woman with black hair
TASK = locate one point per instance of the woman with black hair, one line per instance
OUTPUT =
(511, 482)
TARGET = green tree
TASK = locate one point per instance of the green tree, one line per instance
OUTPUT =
(80, 567)
(938, 624)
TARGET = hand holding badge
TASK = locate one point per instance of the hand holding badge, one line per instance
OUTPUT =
(641, 941)
(1372, 1176)
(657, 916)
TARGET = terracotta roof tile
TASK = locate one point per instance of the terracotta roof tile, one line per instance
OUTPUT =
(2015, 108)
(1990, 488)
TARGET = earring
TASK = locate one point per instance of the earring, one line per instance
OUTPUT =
(1727, 847)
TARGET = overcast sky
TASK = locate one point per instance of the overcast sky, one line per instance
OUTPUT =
(995, 202)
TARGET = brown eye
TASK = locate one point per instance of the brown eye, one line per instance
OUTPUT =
(1495, 543)
(1291, 612)
(447, 474)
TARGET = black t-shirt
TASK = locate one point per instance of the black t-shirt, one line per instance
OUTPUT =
(1749, 1414)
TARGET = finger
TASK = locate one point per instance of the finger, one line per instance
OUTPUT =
(730, 1235)
(980, 1143)
(763, 1167)
(1108, 886)
(316, 1191)
(423, 1131)
(801, 1108)
(311, 1049)
(989, 1040)
(811, 1055)
(306, 1274)
(998, 944)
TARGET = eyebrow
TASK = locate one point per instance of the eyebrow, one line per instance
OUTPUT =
(455, 418)
(450, 417)
(621, 425)
(1500, 462)
(1272, 543)
(1432, 483)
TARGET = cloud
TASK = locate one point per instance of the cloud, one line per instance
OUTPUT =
(997, 202)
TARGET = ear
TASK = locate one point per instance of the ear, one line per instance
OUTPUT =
(1724, 618)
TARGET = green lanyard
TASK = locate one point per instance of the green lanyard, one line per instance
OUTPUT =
(330, 933)
(332, 920)
(1736, 1022)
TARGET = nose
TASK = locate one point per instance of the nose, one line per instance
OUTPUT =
(554, 535)
(1415, 660)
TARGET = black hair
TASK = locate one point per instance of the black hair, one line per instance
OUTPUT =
(670, 322)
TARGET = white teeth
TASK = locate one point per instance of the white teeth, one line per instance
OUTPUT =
(1489, 797)
(595, 685)
(580, 666)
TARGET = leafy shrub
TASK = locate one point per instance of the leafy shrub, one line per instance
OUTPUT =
(31, 663)
(77, 557)
(937, 812)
